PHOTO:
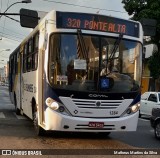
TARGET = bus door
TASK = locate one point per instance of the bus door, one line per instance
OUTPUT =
(19, 83)
(40, 86)
(21, 86)
(15, 80)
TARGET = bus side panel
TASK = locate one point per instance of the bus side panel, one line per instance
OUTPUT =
(29, 84)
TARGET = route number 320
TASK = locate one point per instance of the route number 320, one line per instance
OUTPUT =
(74, 23)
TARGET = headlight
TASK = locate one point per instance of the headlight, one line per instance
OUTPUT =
(132, 109)
(52, 104)
(135, 108)
(56, 106)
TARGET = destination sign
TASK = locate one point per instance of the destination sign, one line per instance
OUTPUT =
(96, 22)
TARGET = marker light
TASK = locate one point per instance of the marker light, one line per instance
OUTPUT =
(61, 109)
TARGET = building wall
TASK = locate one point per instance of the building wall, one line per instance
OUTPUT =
(146, 77)
(4, 73)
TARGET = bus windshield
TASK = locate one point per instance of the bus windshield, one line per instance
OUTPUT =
(82, 62)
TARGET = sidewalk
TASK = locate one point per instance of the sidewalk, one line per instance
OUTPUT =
(5, 102)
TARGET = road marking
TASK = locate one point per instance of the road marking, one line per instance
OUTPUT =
(2, 115)
(20, 117)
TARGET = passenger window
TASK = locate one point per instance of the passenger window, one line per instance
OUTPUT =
(25, 58)
(35, 51)
(30, 57)
(30, 47)
(152, 98)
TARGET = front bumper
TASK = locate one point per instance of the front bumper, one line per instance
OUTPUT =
(58, 122)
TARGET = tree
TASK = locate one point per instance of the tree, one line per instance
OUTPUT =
(139, 9)
(153, 65)
(150, 9)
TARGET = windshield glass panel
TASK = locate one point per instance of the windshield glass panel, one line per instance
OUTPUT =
(94, 63)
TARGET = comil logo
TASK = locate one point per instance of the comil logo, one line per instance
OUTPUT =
(98, 96)
(6, 152)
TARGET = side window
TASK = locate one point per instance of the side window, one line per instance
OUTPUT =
(35, 51)
(11, 73)
(30, 55)
(152, 98)
(16, 62)
(35, 42)
(54, 58)
(25, 58)
(30, 46)
(12, 67)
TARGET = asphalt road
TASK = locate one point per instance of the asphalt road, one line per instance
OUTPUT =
(142, 138)
(17, 132)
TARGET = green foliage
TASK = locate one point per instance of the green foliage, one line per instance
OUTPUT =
(139, 9)
(154, 65)
(142, 8)
(150, 9)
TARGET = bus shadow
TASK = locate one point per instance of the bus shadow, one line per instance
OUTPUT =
(81, 135)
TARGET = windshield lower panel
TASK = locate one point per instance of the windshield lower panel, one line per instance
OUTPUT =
(94, 63)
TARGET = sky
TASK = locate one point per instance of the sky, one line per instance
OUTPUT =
(11, 33)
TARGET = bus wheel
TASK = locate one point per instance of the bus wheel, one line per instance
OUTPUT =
(39, 130)
(15, 104)
(140, 114)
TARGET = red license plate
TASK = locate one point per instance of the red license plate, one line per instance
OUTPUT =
(96, 124)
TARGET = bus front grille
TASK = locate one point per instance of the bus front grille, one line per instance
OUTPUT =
(100, 104)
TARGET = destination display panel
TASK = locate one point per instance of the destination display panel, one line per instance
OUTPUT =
(96, 22)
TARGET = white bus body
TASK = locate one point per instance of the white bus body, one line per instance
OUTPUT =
(82, 100)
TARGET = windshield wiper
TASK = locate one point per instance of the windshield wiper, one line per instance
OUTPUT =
(82, 45)
(115, 47)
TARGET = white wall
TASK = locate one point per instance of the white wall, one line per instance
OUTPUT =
(150, 48)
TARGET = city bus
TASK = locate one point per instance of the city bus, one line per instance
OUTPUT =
(79, 72)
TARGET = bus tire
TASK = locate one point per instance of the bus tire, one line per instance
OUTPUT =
(18, 112)
(140, 115)
(39, 130)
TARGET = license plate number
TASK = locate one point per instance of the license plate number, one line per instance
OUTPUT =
(96, 124)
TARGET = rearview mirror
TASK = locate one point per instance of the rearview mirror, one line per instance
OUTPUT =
(28, 18)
